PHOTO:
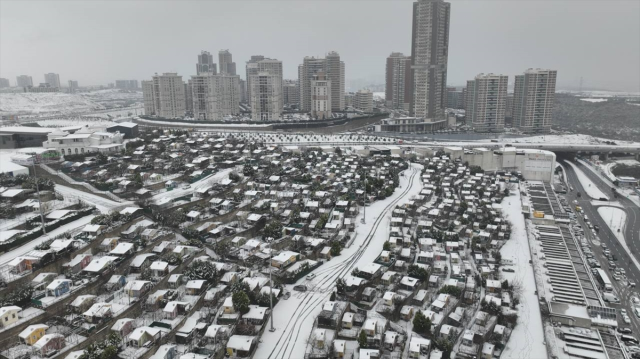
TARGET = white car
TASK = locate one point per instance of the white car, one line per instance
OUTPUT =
(626, 319)
(311, 276)
(623, 311)
(635, 300)
(187, 186)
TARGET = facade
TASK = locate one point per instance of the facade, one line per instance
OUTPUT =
(429, 55)
(164, 96)
(291, 93)
(409, 124)
(243, 91)
(43, 87)
(251, 69)
(127, 84)
(9, 315)
(225, 59)
(52, 79)
(188, 97)
(455, 98)
(266, 96)
(399, 82)
(24, 81)
(73, 86)
(508, 112)
(334, 71)
(534, 93)
(79, 143)
(321, 96)
(363, 101)
(4, 83)
(215, 96)
(486, 102)
(205, 64)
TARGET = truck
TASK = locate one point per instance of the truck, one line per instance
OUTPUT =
(611, 298)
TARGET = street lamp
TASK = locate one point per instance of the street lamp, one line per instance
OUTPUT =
(35, 176)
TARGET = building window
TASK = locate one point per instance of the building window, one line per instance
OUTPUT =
(82, 150)
(76, 151)
(13, 315)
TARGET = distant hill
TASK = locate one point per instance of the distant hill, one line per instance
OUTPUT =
(615, 118)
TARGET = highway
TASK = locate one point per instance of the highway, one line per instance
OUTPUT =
(605, 235)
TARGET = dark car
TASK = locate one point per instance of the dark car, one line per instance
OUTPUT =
(300, 288)
(625, 330)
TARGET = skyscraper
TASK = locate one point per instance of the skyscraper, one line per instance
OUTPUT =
(164, 96)
(334, 71)
(291, 92)
(215, 96)
(225, 59)
(52, 79)
(251, 69)
(429, 55)
(486, 102)
(320, 96)
(127, 84)
(534, 93)
(205, 63)
(24, 81)
(363, 101)
(266, 96)
(399, 88)
(4, 83)
(73, 86)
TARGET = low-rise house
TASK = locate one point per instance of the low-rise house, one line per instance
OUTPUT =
(240, 345)
(256, 315)
(31, 334)
(175, 308)
(98, 312)
(82, 303)
(123, 327)
(59, 287)
(78, 263)
(284, 259)
(137, 288)
(196, 287)
(419, 347)
(139, 336)
(49, 343)
(159, 268)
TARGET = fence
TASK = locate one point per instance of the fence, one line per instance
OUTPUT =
(83, 184)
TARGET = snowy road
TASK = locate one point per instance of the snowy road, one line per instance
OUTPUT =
(590, 188)
(20, 251)
(527, 338)
(204, 182)
(294, 318)
(102, 204)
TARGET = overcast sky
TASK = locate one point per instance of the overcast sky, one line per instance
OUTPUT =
(98, 42)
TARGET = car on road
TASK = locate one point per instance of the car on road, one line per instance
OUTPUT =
(310, 276)
(626, 319)
(635, 300)
(616, 277)
(622, 271)
(624, 330)
(632, 284)
(629, 339)
(623, 311)
(187, 186)
(286, 295)
(612, 265)
(597, 228)
(300, 288)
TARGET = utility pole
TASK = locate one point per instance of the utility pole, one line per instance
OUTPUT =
(35, 176)
(364, 202)
(272, 329)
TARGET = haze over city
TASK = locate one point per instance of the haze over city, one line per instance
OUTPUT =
(96, 42)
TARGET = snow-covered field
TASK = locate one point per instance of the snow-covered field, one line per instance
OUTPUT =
(615, 218)
(602, 93)
(594, 99)
(574, 139)
(75, 121)
(308, 139)
(527, 340)
(294, 318)
(165, 123)
(20, 251)
(59, 103)
(590, 188)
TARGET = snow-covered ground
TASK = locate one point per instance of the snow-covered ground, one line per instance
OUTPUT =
(102, 204)
(40, 103)
(294, 318)
(594, 99)
(20, 251)
(602, 93)
(574, 139)
(615, 218)
(75, 121)
(527, 340)
(590, 188)
(165, 123)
